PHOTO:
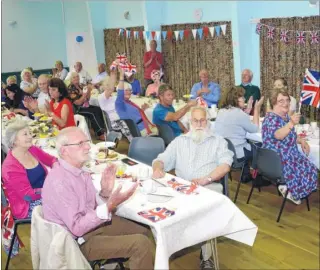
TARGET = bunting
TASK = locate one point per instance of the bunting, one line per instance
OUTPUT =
(301, 35)
(181, 34)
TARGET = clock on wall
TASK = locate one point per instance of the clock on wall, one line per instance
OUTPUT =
(197, 13)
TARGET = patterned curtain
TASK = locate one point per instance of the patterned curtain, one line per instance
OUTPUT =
(184, 59)
(134, 48)
(289, 60)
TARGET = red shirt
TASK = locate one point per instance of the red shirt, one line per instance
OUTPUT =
(57, 112)
(153, 65)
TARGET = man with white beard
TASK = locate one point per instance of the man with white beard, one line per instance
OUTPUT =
(198, 156)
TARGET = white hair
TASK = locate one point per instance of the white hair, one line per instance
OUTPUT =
(63, 137)
(24, 72)
(12, 131)
(126, 86)
(198, 108)
(250, 72)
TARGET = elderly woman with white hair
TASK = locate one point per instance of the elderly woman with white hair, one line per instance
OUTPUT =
(59, 71)
(29, 84)
(152, 89)
(24, 170)
(107, 103)
(127, 109)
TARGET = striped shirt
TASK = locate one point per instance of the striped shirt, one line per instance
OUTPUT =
(194, 160)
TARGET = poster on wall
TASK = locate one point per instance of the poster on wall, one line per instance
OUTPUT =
(80, 48)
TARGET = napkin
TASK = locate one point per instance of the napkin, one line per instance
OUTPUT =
(156, 214)
(183, 188)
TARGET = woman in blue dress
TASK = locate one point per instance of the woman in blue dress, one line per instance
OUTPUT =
(278, 134)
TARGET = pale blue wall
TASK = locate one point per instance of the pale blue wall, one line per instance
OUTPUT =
(38, 38)
(249, 40)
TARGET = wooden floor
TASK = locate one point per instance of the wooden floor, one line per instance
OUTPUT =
(291, 244)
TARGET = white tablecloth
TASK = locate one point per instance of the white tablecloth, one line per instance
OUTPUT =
(197, 218)
(313, 143)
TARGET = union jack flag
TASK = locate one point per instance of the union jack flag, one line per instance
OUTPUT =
(121, 57)
(284, 35)
(183, 188)
(258, 28)
(270, 32)
(314, 37)
(201, 102)
(310, 93)
(301, 38)
(157, 214)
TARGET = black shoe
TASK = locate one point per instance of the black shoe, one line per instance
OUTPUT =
(208, 264)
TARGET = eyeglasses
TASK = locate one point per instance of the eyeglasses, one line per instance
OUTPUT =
(201, 121)
(80, 144)
(283, 101)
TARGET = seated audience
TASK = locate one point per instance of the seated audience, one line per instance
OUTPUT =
(282, 83)
(209, 91)
(84, 76)
(70, 200)
(39, 104)
(60, 107)
(250, 89)
(24, 170)
(135, 83)
(97, 81)
(11, 80)
(198, 156)
(107, 103)
(233, 123)
(79, 94)
(126, 109)
(29, 84)
(278, 134)
(15, 100)
(164, 113)
(59, 71)
(152, 89)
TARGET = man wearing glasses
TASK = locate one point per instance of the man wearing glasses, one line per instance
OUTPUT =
(70, 200)
(197, 156)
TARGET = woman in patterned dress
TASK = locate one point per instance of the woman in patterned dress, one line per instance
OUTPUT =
(278, 134)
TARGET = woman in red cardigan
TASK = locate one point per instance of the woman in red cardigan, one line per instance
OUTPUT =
(60, 108)
(24, 170)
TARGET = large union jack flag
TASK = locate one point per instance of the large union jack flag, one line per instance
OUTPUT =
(157, 214)
(310, 93)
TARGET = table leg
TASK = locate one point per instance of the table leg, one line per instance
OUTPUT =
(215, 253)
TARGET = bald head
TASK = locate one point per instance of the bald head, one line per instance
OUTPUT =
(78, 66)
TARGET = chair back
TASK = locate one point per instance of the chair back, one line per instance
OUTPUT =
(81, 123)
(166, 133)
(134, 130)
(269, 165)
(107, 120)
(49, 241)
(146, 149)
(236, 163)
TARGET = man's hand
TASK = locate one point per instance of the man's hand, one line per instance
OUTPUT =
(117, 197)
(107, 180)
(201, 181)
(158, 173)
(305, 147)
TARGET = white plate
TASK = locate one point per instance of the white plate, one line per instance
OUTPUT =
(105, 144)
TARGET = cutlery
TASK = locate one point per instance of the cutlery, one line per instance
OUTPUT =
(158, 181)
(161, 195)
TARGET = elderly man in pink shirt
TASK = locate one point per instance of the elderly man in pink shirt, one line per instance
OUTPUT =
(70, 200)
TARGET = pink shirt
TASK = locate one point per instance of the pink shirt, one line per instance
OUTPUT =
(69, 199)
(17, 184)
(153, 65)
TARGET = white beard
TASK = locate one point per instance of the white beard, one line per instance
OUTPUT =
(199, 135)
